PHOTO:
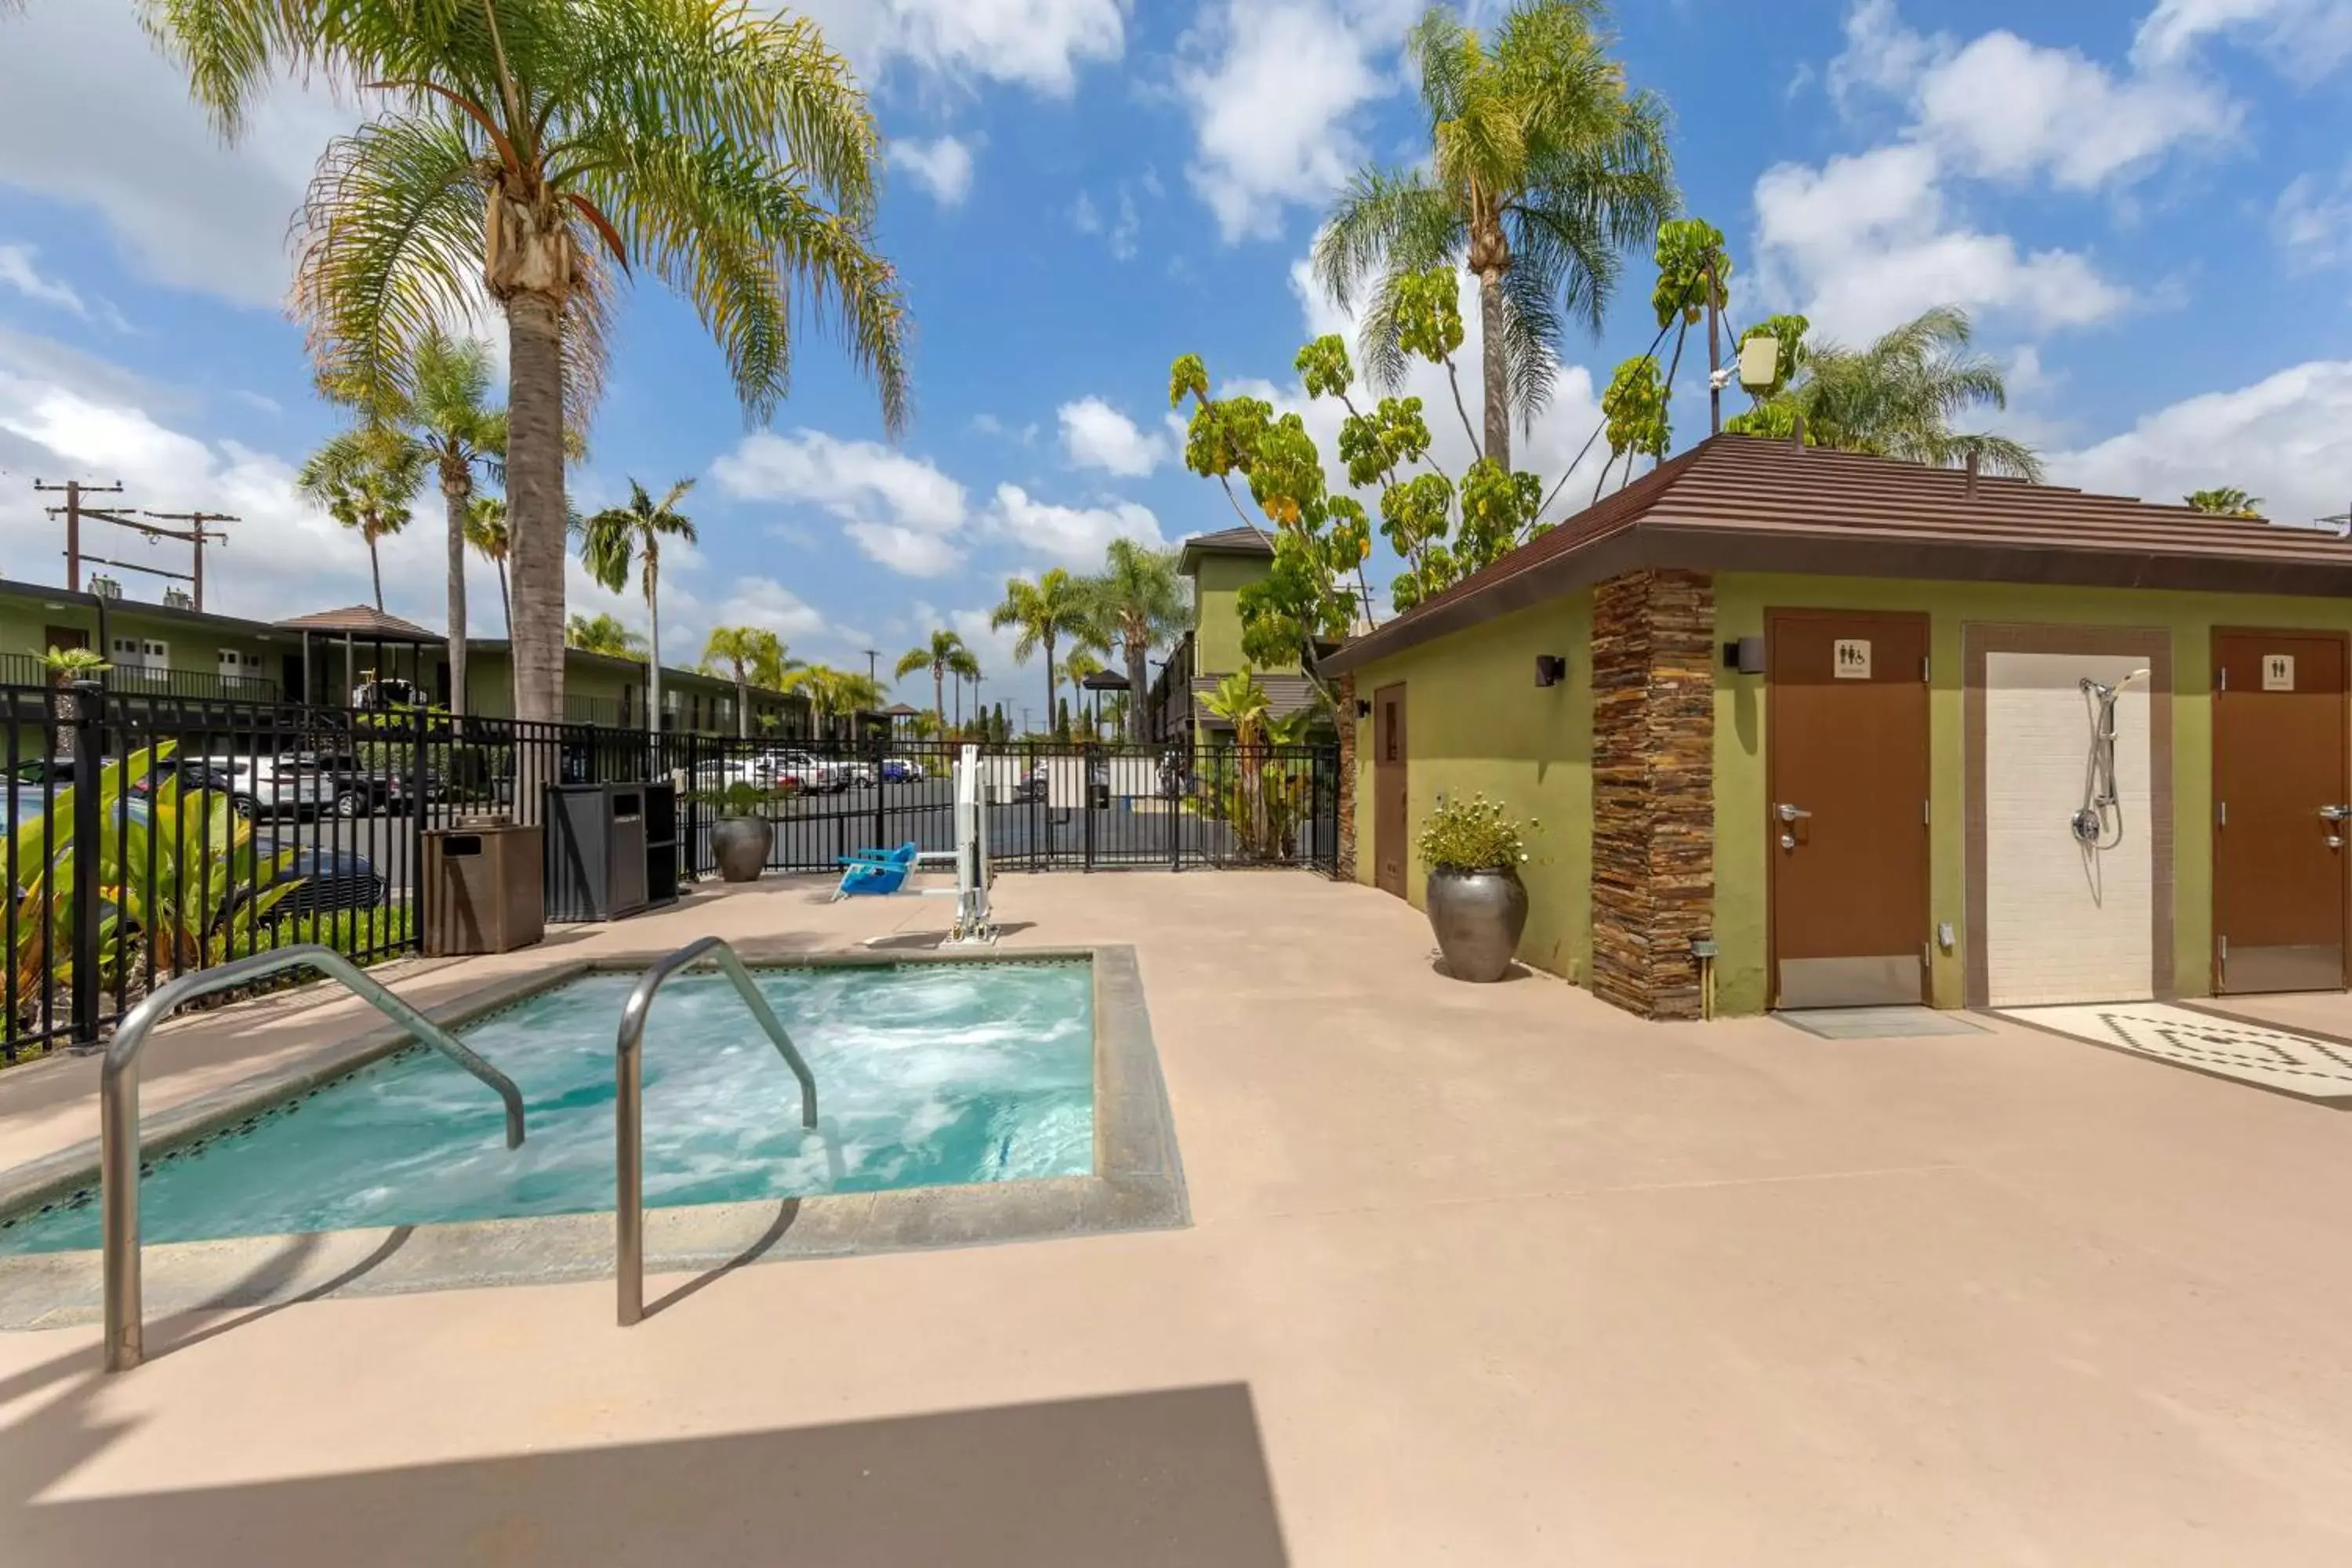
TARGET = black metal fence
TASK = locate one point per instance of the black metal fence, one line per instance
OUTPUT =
(143, 839)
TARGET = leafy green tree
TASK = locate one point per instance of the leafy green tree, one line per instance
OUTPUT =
(1634, 405)
(1043, 613)
(603, 634)
(545, 149)
(364, 479)
(938, 656)
(1138, 603)
(444, 406)
(2226, 500)
(618, 535)
(1061, 721)
(748, 656)
(1896, 399)
(1544, 167)
(999, 729)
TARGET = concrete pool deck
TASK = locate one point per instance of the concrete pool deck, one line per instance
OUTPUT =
(1476, 1275)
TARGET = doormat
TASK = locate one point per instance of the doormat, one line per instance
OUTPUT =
(2277, 1059)
(1877, 1023)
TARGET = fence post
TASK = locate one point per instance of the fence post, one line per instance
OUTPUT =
(88, 819)
(881, 755)
(419, 816)
(1086, 754)
(1178, 763)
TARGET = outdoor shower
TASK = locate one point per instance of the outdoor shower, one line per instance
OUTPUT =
(2099, 825)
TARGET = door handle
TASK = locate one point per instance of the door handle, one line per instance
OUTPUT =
(2335, 813)
(1788, 812)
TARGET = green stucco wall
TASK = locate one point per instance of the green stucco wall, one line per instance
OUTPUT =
(1217, 583)
(1475, 721)
(193, 645)
(1741, 845)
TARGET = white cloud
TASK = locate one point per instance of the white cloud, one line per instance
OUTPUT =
(915, 551)
(1118, 234)
(941, 166)
(2287, 438)
(2304, 40)
(900, 511)
(1864, 242)
(18, 271)
(1096, 435)
(1276, 91)
(2312, 223)
(1036, 44)
(187, 211)
(1070, 535)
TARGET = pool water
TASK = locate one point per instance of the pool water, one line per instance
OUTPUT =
(927, 1074)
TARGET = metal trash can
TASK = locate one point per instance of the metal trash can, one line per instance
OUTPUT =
(483, 889)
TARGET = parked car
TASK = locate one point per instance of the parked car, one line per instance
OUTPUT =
(331, 880)
(902, 770)
(275, 786)
(348, 789)
(824, 774)
(196, 773)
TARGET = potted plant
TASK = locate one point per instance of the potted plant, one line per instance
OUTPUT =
(1477, 905)
(741, 837)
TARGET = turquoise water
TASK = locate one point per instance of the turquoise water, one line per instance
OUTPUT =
(927, 1074)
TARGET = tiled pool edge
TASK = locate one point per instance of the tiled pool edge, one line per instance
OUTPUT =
(1137, 1184)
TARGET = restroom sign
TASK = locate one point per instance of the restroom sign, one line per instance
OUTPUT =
(2278, 672)
(1850, 658)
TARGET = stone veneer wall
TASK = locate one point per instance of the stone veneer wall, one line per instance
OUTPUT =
(1346, 723)
(1653, 656)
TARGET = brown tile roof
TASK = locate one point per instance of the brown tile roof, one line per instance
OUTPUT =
(361, 621)
(1241, 540)
(1738, 503)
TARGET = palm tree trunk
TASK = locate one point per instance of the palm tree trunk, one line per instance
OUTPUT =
(1494, 365)
(742, 705)
(456, 495)
(939, 696)
(505, 606)
(653, 642)
(535, 513)
(1052, 690)
(375, 571)
(1132, 726)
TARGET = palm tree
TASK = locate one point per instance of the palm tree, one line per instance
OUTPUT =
(2226, 500)
(364, 478)
(964, 665)
(603, 634)
(486, 530)
(753, 655)
(1081, 663)
(834, 692)
(616, 535)
(939, 656)
(1138, 603)
(1544, 168)
(546, 149)
(1044, 611)
(1896, 398)
(447, 411)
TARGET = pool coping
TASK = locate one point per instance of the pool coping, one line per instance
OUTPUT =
(1137, 1183)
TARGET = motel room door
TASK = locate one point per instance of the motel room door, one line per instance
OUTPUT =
(1389, 817)
(2280, 797)
(1845, 740)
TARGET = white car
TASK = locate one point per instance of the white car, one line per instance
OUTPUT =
(822, 773)
(279, 785)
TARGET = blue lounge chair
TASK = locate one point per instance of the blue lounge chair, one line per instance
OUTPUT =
(872, 872)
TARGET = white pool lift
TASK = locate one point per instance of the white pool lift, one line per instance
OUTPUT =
(973, 927)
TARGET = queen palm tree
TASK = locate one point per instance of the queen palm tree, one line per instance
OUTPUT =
(446, 409)
(620, 535)
(544, 149)
(1544, 168)
(1044, 613)
(1896, 399)
(938, 655)
(364, 479)
(486, 530)
(751, 655)
(964, 665)
(1137, 604)
(2225, 500)
(1082, 663)
(603, 634)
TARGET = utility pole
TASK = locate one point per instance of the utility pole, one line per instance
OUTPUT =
(74, 489)
(874, 665)
(1714, 356)
(196, 533)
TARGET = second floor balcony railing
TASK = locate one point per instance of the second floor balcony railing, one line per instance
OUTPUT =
(136, 681)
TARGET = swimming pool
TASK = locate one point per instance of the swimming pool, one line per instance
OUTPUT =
(927, 1073)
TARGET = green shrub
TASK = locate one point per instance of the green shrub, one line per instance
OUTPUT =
(1473, 835)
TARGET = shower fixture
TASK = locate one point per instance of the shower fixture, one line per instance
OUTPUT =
(2099, 825)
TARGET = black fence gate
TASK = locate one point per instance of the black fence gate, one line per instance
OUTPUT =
(143, 837)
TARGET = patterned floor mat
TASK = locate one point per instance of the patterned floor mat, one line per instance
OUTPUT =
(2273, 1059)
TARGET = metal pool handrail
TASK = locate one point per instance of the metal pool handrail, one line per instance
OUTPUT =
(628, 1099)
(117, 1127)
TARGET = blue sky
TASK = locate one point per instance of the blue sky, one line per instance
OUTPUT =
(2146, 205)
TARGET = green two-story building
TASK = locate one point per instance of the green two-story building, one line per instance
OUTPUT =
(1220, 566)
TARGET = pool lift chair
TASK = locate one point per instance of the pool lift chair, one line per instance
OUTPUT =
(877, 873)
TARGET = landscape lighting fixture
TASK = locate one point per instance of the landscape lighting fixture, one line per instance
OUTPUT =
(1549, 667)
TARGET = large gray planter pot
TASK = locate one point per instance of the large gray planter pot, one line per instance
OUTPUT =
(740, 845)
(1477, 916)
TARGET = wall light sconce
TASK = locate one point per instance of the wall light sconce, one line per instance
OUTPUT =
(1550, 669)
(1745, 656)
(1363, 706)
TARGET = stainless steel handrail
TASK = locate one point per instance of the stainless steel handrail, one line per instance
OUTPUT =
(628, 1099)
(117, 1127)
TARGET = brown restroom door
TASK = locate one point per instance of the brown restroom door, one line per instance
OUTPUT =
(1389, 830)
(1846, 768)
(2279, 761)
